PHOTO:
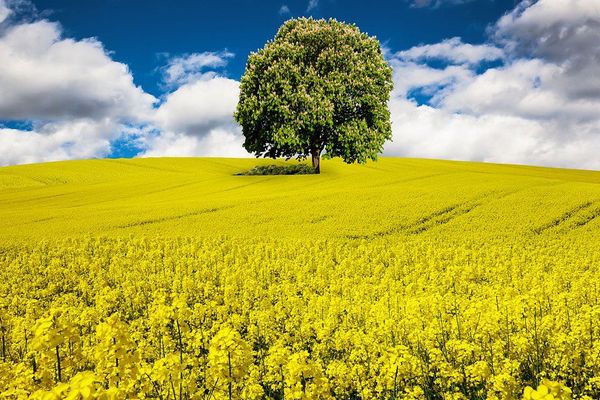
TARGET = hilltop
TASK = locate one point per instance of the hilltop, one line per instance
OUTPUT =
(202, 197)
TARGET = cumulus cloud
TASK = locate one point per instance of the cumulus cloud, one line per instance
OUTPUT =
(217, 142)
(193, 67)
(197, 119)
(539, 106)
(198, 107)
(79, 101)
(524, 88)
(76, 98)
(453, 50)
(45, 77)
(556, 30)
(563, 32)
(64, 140)
(409, 76)
(411, 71)
(430, 132)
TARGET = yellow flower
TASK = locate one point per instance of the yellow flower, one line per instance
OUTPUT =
(547, 390)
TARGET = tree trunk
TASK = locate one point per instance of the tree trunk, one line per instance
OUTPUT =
(316, 161)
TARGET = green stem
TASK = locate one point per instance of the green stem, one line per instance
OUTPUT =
(229, 366)
(58, 365)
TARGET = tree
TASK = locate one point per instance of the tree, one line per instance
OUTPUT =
(319, 86)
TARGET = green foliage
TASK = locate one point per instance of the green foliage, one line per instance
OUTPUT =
(320, 85)
(297, 169)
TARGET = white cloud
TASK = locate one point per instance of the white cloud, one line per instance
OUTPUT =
(82, 138)
(557, 30)
(284, 10)
(79, 100)
(44, 76)
(193, 67)
(77, 97)
(453, 50)
(524, 88)
(312, 4)
(217, 142)
(424, 131)
(563, 32)
(539, 107)
(432, 132)
(198, 107)
(408, 76)
(4, 11)
(197, 119)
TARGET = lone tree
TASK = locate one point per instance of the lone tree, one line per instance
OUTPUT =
(319, 86)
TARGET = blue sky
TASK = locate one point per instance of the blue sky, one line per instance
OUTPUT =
(141, 33)
(482, 80)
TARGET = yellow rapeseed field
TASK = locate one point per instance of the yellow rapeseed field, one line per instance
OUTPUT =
(175, 279)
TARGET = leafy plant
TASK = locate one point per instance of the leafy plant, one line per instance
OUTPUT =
(298, 169)
(319, 86)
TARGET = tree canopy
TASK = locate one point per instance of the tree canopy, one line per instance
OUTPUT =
(320, 87)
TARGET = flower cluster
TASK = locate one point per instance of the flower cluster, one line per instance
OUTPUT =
(227, 318)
